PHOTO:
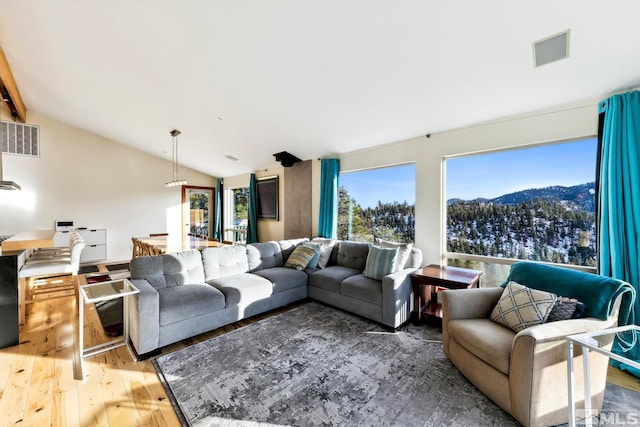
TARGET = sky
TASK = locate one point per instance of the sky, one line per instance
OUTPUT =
(494, 174)
(388, 185)
(485, 175)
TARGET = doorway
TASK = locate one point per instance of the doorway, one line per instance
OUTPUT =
(198, 209)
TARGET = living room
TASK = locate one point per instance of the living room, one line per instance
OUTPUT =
(91, 172)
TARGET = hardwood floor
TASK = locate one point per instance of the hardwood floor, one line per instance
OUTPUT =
(37, 386)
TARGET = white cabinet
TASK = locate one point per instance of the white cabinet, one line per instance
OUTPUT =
(96, 244)
(94, 239)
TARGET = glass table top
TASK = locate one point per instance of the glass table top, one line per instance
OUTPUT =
(108, 290)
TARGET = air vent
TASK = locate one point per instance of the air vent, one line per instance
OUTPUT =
(20, 139)
(551, 49)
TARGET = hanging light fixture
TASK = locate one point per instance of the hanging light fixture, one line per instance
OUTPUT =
(175, 182)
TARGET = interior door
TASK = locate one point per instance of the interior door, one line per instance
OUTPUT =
(198, 211)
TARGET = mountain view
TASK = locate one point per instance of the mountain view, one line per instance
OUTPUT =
(554, 224)
(389, 221)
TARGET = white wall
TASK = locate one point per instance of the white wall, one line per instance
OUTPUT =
(565, 123)
(95, 182)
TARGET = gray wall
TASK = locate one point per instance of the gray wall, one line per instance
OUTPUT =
(298, 200)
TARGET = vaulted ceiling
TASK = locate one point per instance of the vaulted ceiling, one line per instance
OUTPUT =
(252, 78)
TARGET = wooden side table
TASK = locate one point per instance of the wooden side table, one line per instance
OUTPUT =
(434, 277)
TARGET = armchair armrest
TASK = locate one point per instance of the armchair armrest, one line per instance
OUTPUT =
(538, 369)
(397, 297)
(144, 317)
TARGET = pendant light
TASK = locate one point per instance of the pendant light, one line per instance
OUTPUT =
(175, 182)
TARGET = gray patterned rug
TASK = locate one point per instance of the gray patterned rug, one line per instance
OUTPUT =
(318, 366)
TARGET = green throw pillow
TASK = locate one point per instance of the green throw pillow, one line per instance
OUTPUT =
(520, 307)
(300, 257)
(404, 251)
(380, 262)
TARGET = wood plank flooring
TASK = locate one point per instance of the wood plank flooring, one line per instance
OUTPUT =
(37, 386)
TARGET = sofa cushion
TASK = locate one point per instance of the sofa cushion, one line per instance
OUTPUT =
(168, 270)
(363, 288)
(520, 307)
(353, 254)
(224, 261)
(242, 288)
(330, 278)
(149, 268)
(264, 255)
(300, 257)
(380, 262)
(184, 302)
(487, 340)
(284, 278)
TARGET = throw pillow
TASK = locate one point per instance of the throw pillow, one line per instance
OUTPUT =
(300, 257)
(404, 251)
(380, 262)
(327, 248)
(520, 307)
(563, 309)
(317, 247)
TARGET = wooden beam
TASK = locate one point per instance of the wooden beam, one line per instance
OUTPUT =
(9, 87)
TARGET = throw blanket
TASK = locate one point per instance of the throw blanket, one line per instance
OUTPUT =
(598, 293)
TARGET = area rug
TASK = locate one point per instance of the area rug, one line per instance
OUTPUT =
(116, 267)
(109, 312)
(315, 365)
(87, 269)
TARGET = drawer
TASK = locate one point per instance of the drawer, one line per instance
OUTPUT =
(93, 253)
(61, 239)
(93, 236)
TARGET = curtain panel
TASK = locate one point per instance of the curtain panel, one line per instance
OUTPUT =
(217, 224)
(328, 217)
(619, 204)
(252, 211)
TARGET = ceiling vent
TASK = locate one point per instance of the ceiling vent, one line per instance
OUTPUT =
(20, 139)
(551, 49)
(286, 159)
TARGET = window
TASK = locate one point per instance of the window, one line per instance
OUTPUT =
(535, 204)
(378, 202)
(236, 204)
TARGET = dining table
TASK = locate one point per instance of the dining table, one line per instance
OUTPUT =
(175, 243)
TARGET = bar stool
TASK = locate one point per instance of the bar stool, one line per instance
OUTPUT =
(44, 279)
(58, 254)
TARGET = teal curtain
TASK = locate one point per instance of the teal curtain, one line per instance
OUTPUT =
(619, 204)
(217, 225)
(328, 218)
(252, 211)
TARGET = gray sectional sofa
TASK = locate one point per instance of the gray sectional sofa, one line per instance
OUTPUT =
(187, 293)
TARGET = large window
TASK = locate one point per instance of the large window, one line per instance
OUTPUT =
(378, 203)
(236, 203)
(535, 204)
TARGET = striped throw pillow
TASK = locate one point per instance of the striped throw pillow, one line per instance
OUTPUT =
(300, 257)
(317, 247)
(380, 262)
